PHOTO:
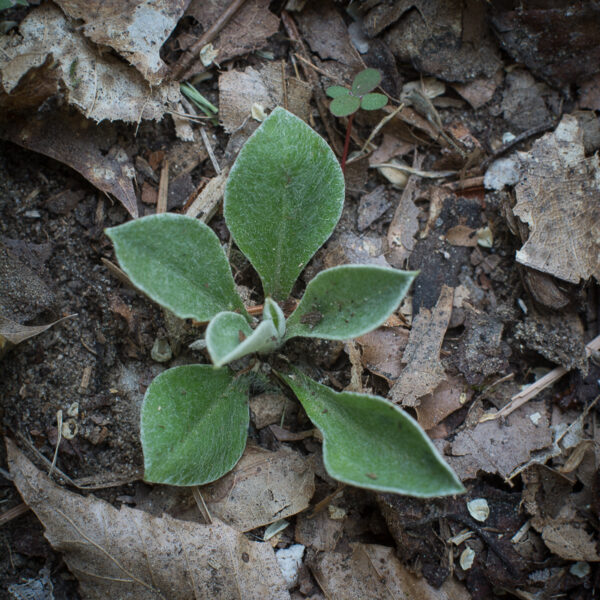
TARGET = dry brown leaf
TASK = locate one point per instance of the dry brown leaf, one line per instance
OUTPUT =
(445, 38)
(382, 351)
(448, 397)
(245, 32)
(424, 371)
(127, 553)
(558, 199)
(372, 572)
(327, 35)
(69, 138)
(239, 90)
(269, 408)
(262, 488)
(319, 531)
(501, 447)
(98, 85)
(16, 333)
(405, 224)
(480, 91)
(136, 29)
(389, 148)
(461, 235)
(372, 206)
(571, 541)
(346, 247)
(555, 510)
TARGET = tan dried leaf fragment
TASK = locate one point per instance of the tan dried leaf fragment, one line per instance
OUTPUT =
(98, 85)
(136, 29)
(262, 488)
(557, 197)
(128, 553)
(373, 572)
(424, 371)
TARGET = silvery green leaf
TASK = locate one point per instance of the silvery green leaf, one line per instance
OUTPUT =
(283, 199)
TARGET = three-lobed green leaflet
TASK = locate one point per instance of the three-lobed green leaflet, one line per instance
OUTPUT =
(283, 199)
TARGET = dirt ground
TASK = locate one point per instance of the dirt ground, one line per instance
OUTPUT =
(508, 324)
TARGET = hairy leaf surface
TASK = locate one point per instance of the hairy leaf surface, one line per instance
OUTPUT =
(179, 263)
(194, 424)
(370, 443)
(283, 199)
(229, 337)
(348, 301)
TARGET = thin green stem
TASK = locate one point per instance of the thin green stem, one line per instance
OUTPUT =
(347, 142)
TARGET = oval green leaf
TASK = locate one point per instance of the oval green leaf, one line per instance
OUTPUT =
(365, 81)
(283, 198)
(342, 106)
(194, 425)
(179, 263)
(370, 443)
(373, 101)
(229, 337)
(347, 301)
(335, 91)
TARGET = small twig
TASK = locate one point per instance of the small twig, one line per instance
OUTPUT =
(379, 126)
(117, 272)
(211, 154)
(465, 184)
(13, 513)
(59, 422)
(319, 70)
(317, 508)
(311, 76)
(347, 141)
(284, 85)
(520, 138)
(413, 171)
(202, 505)
(535, 388)
(163, 189)
(183, 64)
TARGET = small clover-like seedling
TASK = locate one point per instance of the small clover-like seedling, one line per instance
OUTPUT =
(283, 198)
(347, 101)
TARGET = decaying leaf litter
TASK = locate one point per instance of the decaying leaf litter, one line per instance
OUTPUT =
(489, 188)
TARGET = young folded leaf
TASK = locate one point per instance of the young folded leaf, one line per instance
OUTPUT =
(348, 301)
(194, 424)
(370, 443)
(283, 198)
(229, 337)
(273, 312)
(178, 262)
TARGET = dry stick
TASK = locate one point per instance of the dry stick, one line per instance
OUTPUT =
(520, 138)
(347, 141)
(312, 77)
(211, 154)
(13, 513)
(163, 189)
(202, 505)
(284, 85)
(183, 64)
(465, 184)
(535, 388)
